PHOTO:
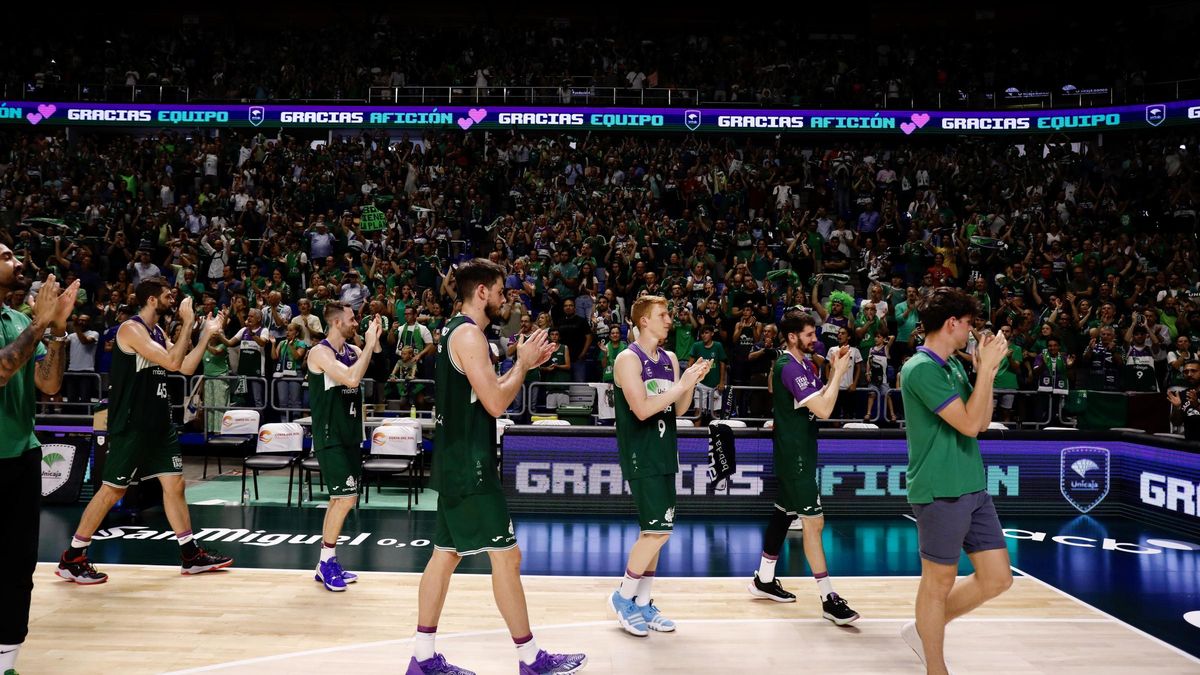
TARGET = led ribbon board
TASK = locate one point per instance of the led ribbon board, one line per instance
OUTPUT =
(663, 120)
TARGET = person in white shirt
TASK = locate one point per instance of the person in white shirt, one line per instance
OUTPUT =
(82, 353)
(417, 336)
(276, 315)
(783, 195)
(844, 408)
(322, 241)
(308, 323)
(876, 298)
(354, 293)
(824, 224)
(143, 269)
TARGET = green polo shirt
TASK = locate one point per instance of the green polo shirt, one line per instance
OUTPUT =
(942, 463)
(18, 398)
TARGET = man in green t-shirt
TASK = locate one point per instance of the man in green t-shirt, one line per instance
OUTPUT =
(1006, 376)
(25, 364)
(712, 387)
(946, 481)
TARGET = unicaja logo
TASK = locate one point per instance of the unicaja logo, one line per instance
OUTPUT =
(56, 466)
(1082, 467)
(1084, 476)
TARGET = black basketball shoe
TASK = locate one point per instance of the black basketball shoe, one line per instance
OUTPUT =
(203, 561)
(836, 610)
(771, 590)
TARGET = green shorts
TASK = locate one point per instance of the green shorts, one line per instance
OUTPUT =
(655, 499)
(341, 468)
(138, 455)
(473, 524)
(799, 496)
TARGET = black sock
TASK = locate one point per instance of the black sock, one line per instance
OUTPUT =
(777, 529)
(189, 550)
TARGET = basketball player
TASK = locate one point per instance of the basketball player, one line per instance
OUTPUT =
(946, 480)
(335, 371)
(799, 398)
(20, 453)
(472, 515)
(143, 442)
(649, 394)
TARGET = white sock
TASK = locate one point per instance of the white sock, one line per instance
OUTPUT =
(327, 552)
(76, 542)
(629, 585)
(423, 645)
(766, 569)
(8, 657)
(643, 589)
(528, 652)
(183, 537)
(825, 586)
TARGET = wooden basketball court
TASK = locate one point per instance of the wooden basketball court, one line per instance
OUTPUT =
(150, 619)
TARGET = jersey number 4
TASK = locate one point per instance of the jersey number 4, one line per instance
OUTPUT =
(353, 412)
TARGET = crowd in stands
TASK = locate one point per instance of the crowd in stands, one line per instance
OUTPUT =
(1086, 255)
(773, 61)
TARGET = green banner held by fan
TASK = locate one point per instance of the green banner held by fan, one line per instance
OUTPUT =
(372, 219)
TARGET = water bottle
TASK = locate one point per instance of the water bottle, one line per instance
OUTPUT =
(245, 496)
(412, 412)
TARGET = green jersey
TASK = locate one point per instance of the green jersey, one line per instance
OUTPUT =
(942, 463)
(716, 354)
(216, 365)
(795, 433)
(336, 410)
(558, 358)
(138, 399)
(17, 397)
(464, 458)
(288, 364)
(1006, 377)
(648, 447)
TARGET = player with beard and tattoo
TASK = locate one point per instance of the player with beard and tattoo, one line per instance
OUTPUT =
(472, 514)
(25, 364)
(143, 439)
(800, 398)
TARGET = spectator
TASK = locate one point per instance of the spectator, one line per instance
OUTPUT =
(844, 408)
(276, 315)
(711, 389)
(308, 323)
(578, 337)
(417, 336)
(1185, 402)
(288, 354)
(82, 343)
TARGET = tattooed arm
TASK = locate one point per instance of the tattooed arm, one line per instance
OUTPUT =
(50, 310)
(48, 374)
(13, 357)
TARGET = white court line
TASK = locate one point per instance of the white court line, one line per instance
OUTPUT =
(610, 577)
(592, 624)
(1095, 609)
